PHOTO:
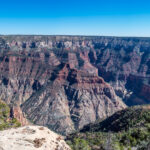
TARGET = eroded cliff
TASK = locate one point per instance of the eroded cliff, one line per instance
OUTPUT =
(66, 82)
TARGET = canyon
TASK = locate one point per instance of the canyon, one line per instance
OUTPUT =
(67, 82)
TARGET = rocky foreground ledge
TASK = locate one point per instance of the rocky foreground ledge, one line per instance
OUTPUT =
(31, 138)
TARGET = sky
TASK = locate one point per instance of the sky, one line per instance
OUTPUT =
(75, 17)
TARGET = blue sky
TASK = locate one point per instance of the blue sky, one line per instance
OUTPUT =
(75, 17)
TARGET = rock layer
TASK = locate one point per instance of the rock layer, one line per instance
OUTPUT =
(71, 101)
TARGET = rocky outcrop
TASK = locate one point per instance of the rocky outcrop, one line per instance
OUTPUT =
(31, 138)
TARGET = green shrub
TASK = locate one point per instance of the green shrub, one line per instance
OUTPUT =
(80, 144)
(5, 120)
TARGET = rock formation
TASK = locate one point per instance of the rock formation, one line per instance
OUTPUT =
(73, 99)
(31, 138)
(66, 82)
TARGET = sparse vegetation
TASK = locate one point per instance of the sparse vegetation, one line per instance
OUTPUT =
(124, 130)
(5, 120)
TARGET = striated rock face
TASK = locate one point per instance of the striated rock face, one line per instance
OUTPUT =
(17, 113)
(66, 82)
(74, 99)
(31, 138)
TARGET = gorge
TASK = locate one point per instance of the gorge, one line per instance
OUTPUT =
(67, 82)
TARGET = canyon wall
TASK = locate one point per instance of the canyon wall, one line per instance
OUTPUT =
(66, 82)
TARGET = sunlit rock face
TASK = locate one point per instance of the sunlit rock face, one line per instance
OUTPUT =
(66, 82)
(71, 100)
(31, 138)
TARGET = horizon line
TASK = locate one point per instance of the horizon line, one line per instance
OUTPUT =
(75, 35)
